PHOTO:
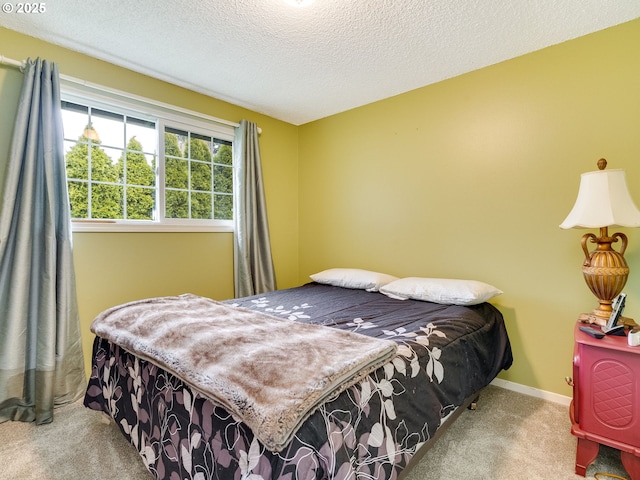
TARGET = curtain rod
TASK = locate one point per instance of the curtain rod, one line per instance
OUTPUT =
(12, 63)
(15, 63)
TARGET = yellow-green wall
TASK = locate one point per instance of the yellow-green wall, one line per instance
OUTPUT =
(112, 268)
(467, 178)
(470, 178)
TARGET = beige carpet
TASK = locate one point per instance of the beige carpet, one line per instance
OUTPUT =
(509, 436)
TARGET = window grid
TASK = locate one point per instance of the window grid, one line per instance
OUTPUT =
(109, 175)
(109, 187)
(197, 176)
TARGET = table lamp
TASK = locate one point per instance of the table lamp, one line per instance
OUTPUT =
(603, 201)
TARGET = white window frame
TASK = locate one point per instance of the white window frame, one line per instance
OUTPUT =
(74, 91)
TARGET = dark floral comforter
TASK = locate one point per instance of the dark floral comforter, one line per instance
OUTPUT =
(370, 431)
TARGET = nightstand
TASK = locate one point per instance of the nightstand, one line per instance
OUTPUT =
(606, 399)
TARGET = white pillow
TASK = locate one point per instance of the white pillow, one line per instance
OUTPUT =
(353, 278)
(441, 290)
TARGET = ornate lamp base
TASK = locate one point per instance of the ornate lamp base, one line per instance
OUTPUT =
(591, 318)
(605, 272)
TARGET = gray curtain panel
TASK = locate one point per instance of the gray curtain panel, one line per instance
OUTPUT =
(253, 264)
(41, 363)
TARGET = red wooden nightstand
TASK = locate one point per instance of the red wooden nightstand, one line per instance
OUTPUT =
(606, 399)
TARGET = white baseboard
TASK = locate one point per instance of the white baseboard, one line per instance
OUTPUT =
(534, 392)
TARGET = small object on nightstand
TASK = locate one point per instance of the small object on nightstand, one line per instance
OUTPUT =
(612, 327)
(634, 337)
(618, 330)
(594, 332)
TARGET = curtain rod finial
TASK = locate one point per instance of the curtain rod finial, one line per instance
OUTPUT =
(8, 61)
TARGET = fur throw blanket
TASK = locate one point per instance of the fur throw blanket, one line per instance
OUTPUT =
(270, 373)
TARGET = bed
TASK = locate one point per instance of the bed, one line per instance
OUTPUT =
(444, 356)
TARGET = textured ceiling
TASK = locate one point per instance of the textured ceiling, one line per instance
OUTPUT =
(300, 64)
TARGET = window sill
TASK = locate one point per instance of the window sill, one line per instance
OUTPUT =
(107, 226)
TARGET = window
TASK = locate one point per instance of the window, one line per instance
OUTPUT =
(134, 169)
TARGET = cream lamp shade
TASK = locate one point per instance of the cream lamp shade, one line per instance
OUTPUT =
(603, 201)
